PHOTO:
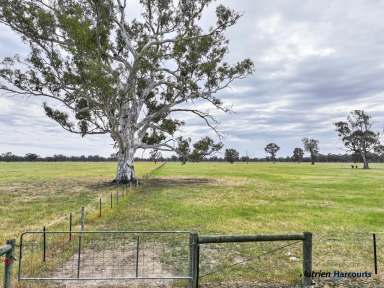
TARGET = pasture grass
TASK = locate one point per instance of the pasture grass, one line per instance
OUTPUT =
(34, 194)
(212, 198)
(257, 198)
(330, 200)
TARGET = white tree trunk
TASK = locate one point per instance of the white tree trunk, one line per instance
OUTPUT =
(365, 161)
(125, 166)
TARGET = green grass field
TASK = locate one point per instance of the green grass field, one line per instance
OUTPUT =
(36, 194)
(250, 198)
(210, 198)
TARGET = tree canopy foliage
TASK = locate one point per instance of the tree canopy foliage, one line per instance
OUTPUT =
(231, 155)
(272, 149)
(298, 154)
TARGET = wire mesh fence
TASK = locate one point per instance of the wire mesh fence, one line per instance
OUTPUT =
(354, 258)
(344, 251)
(260, 262)
(145, 255)
(343, 258)
(104, 255)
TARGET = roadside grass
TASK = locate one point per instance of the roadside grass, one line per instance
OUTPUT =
(218, 198)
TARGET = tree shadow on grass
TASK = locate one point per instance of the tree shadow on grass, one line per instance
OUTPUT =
(102, 185)
(172, 182)
(156, 182)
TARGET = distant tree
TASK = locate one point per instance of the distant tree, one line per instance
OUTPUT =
(9, 157)
(60, 157)
(272, 149)
(311, 146)
(183, 149)
(245, 159)
(94, 158)
(173, 158)
(203, 148)
(155, 156)
(215, 159)
(298, 155)
(31, 157)
(231, 155)
(358, 137)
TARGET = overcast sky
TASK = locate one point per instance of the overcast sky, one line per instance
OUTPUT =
(315, 61)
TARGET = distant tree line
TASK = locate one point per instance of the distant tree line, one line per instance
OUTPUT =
(31, 157)
(362, 143)
(231, 156)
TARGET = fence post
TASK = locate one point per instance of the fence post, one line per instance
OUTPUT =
(82, 220)
(100, 207)
(44, 244)
(70, 226)
(9, 257)
(117, 192)
(307, 259)
(137, 256)
(374, 253)
(111, 200)
(194, 253)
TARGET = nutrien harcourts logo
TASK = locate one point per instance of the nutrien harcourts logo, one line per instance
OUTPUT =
(337, 274)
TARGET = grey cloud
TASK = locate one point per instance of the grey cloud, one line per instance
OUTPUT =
(315, 61)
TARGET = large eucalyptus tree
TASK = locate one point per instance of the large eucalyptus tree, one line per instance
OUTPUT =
(130, 78)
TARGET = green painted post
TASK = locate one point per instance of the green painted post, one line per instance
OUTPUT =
(194, 260)
(190, 264)
(9, 258)
(307, 259)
